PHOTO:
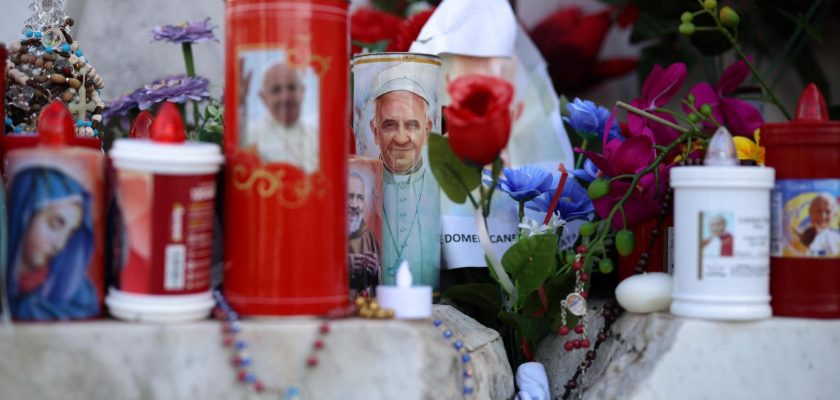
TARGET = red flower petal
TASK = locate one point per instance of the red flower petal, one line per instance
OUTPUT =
(409, 30)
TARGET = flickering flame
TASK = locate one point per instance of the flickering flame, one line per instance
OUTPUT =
(404, 275)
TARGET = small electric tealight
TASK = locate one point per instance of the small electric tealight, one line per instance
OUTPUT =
(408, 302)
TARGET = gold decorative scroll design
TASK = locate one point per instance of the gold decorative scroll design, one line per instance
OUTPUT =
(275, 183)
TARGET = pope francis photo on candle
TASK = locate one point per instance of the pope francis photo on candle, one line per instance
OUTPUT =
(276, 107)
(401, 124)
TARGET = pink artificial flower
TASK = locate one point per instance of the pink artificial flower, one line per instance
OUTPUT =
(740, 117)
(629, 157)
(659, 87)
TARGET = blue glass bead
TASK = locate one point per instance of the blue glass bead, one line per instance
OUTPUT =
(465, 358)
(437, 322)
(28, 33)
(79, 53)
(241, 345)
(245, 362)
(89, 124)
(8, 121)
(48, 49)
(38, 35)
(19, 128)
(250, 377)
(235, 326)
(65, 47)
(96, 132)
(80, 123)
(447, 334)
(458, 344)
(468, 390)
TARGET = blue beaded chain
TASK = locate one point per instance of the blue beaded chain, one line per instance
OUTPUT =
(467, 374)
(231, 327)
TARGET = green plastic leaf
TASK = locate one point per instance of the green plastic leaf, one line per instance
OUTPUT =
(456, 178)
(482, 295)
(532, 329)
(530, 261)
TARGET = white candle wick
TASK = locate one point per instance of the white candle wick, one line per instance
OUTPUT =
(404, 275)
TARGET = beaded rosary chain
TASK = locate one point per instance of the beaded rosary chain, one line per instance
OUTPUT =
(362, 307)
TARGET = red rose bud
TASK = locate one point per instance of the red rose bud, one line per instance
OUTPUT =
(55, 125)
(478, 117)
(168, 127)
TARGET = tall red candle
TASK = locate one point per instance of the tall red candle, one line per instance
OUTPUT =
(805, 263)
(286, 116)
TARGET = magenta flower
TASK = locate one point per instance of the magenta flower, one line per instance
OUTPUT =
(740, 117)
(629, 157)
(193, 32)
(659, 87)
(642, 205)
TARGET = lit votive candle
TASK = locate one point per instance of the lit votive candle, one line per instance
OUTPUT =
(408, 302)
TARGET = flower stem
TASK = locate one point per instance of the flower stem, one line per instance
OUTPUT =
(734, 42)
(186, 49)
(579, 161)
(650, 116)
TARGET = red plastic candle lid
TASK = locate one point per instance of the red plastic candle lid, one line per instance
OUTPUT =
(168, 127)
(142, 125)
(811, 125)
(55, 125)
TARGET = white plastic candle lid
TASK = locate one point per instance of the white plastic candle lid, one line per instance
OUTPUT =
(159, 308)
(187, 158)
(718, 177)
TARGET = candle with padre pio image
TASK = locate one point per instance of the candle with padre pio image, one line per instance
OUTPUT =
(55, 240)
(395, 109)
(364, 219)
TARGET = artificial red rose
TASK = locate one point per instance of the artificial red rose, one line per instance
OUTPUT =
(570, 42)
(478, 117)
(409, 30)
(369, 26)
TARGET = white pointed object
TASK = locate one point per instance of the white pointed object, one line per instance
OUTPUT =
(721, 151)
(455, 25)
(404, 275)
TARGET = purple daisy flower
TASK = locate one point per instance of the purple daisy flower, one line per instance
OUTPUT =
(174, 89)
(122, 106)
(193, 32)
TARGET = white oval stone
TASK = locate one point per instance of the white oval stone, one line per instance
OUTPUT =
(646, 293)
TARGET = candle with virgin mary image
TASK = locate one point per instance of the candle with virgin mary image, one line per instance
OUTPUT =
(395, 109)
(55, 239)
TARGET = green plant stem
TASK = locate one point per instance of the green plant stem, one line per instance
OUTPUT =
(654, 165)
(650, 116)
(186, 48)
(521, 211)
(579, 161)
(743, 56)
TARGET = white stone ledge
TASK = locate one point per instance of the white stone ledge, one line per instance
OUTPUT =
(362, 359)
(661, 356)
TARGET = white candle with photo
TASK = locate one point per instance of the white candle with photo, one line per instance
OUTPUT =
(722, 236)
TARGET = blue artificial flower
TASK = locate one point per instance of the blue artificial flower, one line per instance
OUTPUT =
(589, 120)
(525, 183)
(574, 202)
(588, 173)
